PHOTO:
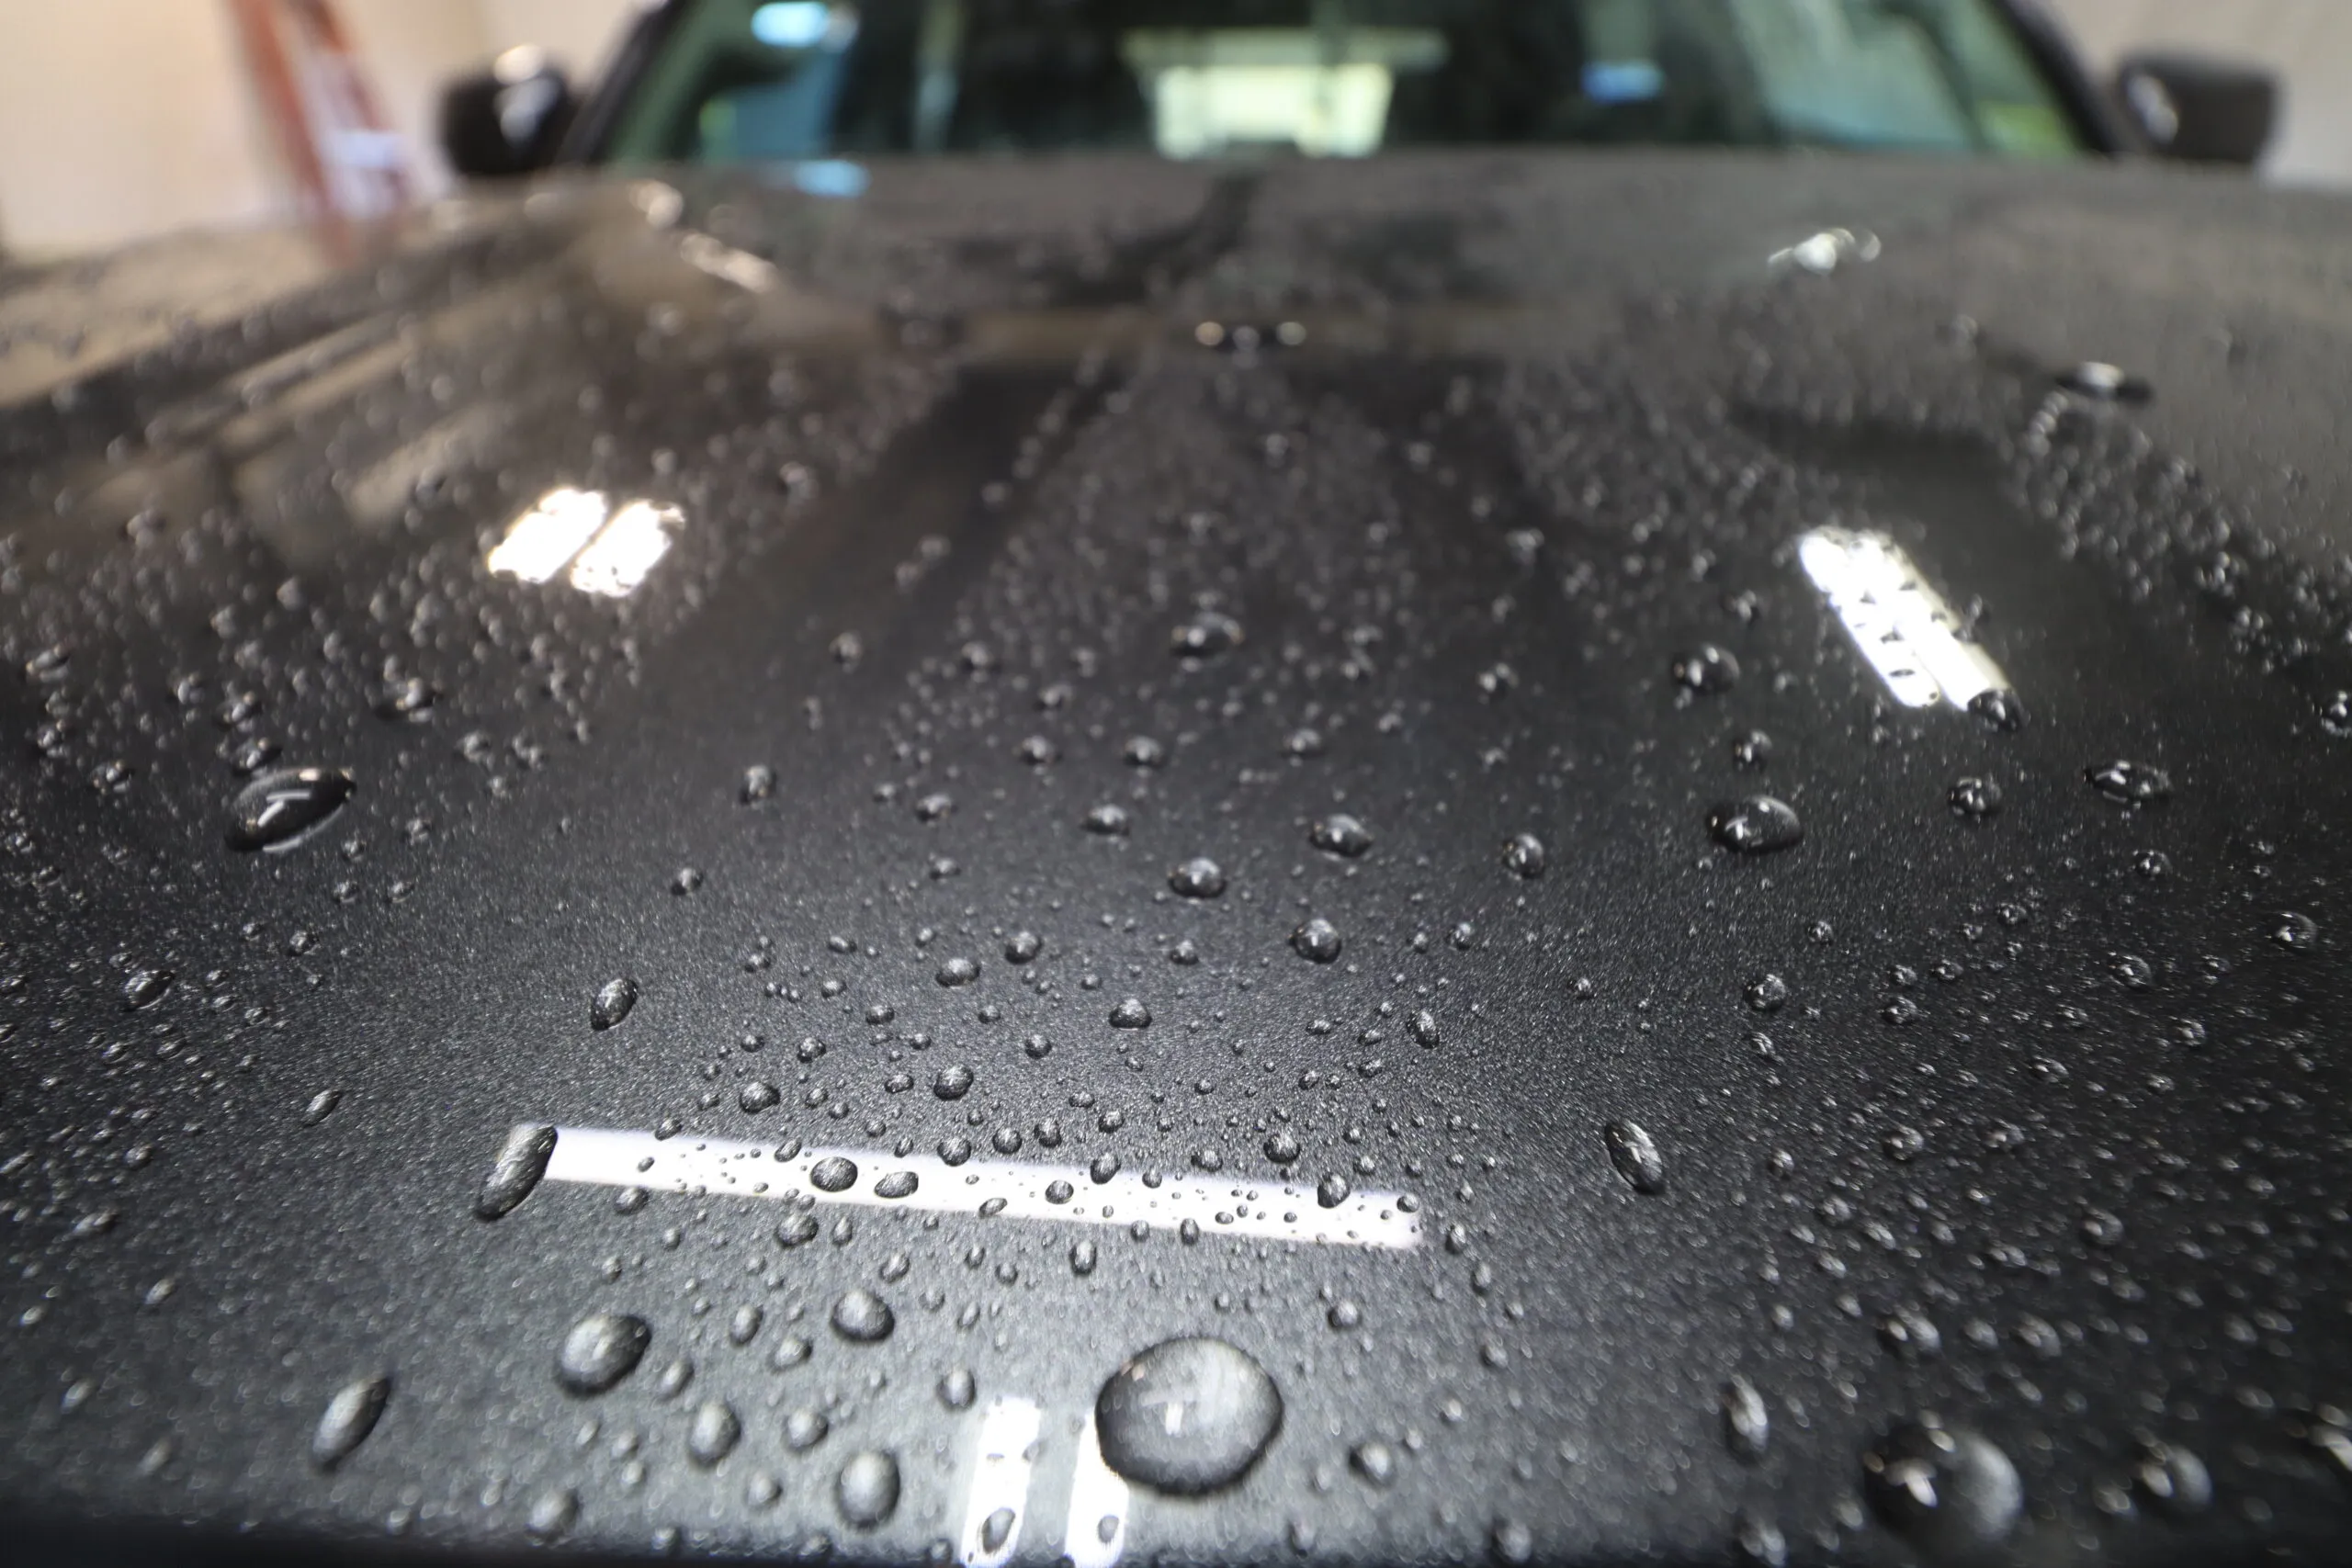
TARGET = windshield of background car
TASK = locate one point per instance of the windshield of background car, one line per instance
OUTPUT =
(745, 81)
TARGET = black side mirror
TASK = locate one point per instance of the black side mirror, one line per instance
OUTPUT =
(2198, 109)
(509, 120)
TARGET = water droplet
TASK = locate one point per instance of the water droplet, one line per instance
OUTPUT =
(521, 1160)
(2335, 715)
(1905, 1145)
(2101, 1228)
(1766, 994)
(2296, 933)
(611, 1002)
(1634, 1154)
(1425, 1029)
(552, 1514)
(799, 1229)
(1975, 797)
(1523, 855)
(321, 1106)
(864, 1317)
(997, 1528)
(743, 1326)
(1040, 752)
(350, 1416)
(1205, 633)
(1748, 1425)
(1998, 709)
(408, 698)
(1376, 1462)
(1706, 668)
(1199, 877)
(601, 1350)
(1332, 1191)
(958, 1389)
(897, 1184)
(713, 1432)
(1945, 1488)
(1023, 947)
(1759, 1540)
(1340, 834)
(833, 1174)
(1110, 821)
(1282, 1148)
(1082, 1258)
(1131, 1014)
(957, 971)
(759, 784)
(1305, 743)
(1187, 1416)
(1755, 825)
(1143, 751)
(1318, 940)
(757, 1096)
(2102, 382)
(1751, 751)
(952, 1082)
(804, 1429)
(2173, 1480)
(931, 808)
(2129, 784)
(1910, 1335)
(867, 1490)
(279, 810)
(145, 987)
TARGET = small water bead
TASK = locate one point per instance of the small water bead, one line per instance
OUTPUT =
(145, 987)
(1143, 751)
(1108, 821)
(758, 785)
(1204, 635)
(1757, 825)
(1131, 1014)
(1910, 1335)
(952, 1082)
(1752, 751)
(1748, 1423)
(1023, 947)
(834, 1173)
(862, 1317)
(2173, 1480)
(347, 1420)
(712, 1432)
(1766, 994)
(804, 1429)
(866, 1491)
(2296, 933)
(957, 971)
(1998, 709)
(521, 1160)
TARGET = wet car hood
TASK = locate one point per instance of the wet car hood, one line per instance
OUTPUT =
(1662, 832)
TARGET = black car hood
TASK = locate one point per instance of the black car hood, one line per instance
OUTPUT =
(765, 664)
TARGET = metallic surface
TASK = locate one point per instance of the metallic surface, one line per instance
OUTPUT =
(2041, 1133)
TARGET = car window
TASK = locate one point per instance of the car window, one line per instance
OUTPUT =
(743, 80)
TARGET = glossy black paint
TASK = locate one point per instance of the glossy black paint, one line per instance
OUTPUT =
(953, 464)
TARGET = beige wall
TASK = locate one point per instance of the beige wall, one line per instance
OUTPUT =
(2307, 42)
(120, 119)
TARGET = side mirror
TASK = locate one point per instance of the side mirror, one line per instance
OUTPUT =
(509, 120)
(2198, 109)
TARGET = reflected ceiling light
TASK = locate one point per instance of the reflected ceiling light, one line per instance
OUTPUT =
(1897, 619)
(540, 542)
(792, 24)
(627, 548)
(724, 261)
(1821, 253)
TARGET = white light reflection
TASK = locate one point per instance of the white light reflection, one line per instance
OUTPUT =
(538, 543)
(1897, 619)
(1096, 1531)
(1065, 1194)
(610, 554)
(999, 1481)
(627, 548)
(724, 261)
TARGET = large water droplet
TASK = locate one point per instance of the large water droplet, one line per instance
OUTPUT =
(601, 1350)
(833, 1174)
(278, 810)
(2174, 1481)
(1945, 1488)
(1206, 633)
(713, 1432)
(350, 1416)
(521, 1160)
(1999, 709)
(1634, 1154)
(1748, 1425)
(2129, 784)
(1974, 797)
(145, 987)
(866, 1489)
(1523, 855)
(1318, 940)
(611, 1002)
(1340, 834)
(1187, 1416)
(864, 1317)
(804, 1429)
(1706, 668)
(1131, 1014)
(1755, 825)
(1199, 877)
(552, 1514)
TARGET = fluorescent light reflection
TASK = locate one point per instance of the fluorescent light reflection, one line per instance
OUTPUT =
(1898, 621)
(610, 552)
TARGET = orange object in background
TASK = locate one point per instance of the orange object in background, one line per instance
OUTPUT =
(346, 161)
